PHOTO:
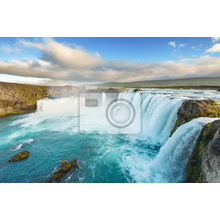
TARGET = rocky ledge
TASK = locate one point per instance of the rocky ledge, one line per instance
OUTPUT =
(191, 109)
(203, 165)
(19, 98)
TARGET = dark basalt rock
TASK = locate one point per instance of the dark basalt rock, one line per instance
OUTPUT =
(137, 90)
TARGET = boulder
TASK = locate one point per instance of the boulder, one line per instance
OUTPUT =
(137, 90)
(64, 169)
(20, 156)
(191, 109)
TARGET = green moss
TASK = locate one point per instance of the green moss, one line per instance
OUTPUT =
(212, 103)
(58, 175)
(175, 127)
(209, 125)
(200, 179)
(194, 172)
(19, 156)
(24, 96)
(65, 167)
(201, 147)
(211, 112)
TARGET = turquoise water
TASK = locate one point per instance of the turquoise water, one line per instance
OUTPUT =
(99, 156)
(51, 135)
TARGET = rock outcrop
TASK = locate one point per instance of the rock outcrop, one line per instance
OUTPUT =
(198, 167)
(194, 170)
(65, 169)
(211, 160)
(19, 98)
(137, 90)
(20, 156)
(191, 109)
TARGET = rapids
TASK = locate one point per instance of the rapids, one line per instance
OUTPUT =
(53, 134)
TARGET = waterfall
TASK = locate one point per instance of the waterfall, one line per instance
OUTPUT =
(103, 98)
(158, 116)
(170, 163)
(158, 112)
(149, 156)
(58, 105)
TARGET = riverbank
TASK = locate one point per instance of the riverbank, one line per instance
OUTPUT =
(21, 98)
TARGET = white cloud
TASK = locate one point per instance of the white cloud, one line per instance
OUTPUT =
(6, 48)
(61, 64)
(215, 48)
(182, 45)
(65, 56)
(172, 43)
(215, 39)
(192, 47)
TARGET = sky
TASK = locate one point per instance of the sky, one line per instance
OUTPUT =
(79, 61)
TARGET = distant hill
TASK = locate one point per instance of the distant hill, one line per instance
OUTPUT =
(206, 81)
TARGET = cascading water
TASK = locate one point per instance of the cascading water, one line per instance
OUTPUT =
(150, 156)
(170, 163)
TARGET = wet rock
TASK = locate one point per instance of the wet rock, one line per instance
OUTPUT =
(191, 109)
(193, 168)
(137, 90)
(20, 156)
(210, 162)
(65, 169)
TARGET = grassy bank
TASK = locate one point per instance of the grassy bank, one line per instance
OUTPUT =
(19, 98)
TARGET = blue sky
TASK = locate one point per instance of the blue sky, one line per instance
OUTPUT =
(75, 61)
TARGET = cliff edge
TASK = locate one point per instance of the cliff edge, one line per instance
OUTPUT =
(191, 109)
(19, 98)
(203, 163)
